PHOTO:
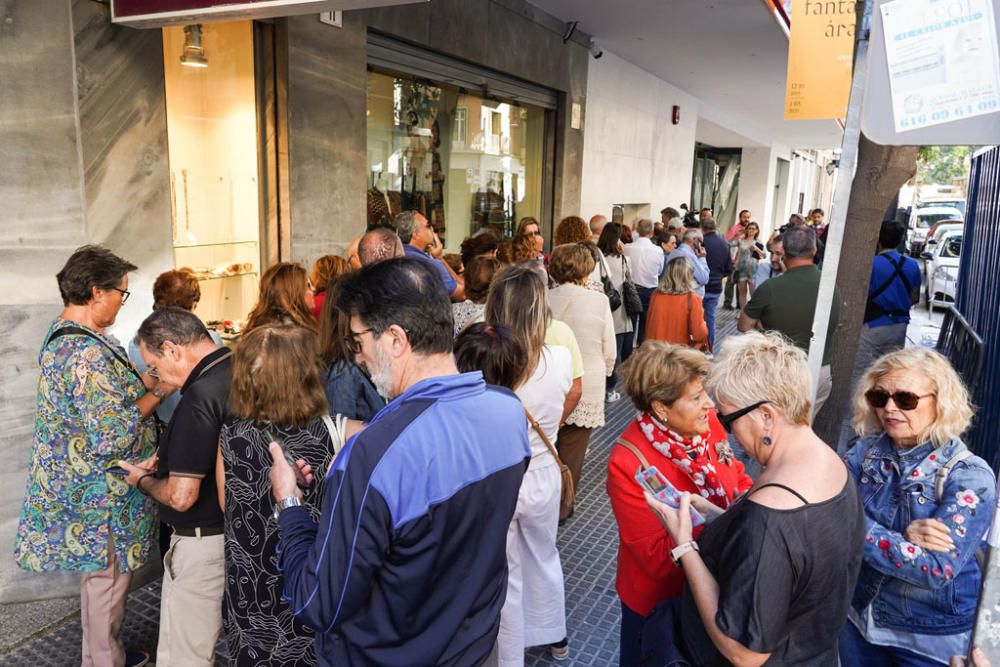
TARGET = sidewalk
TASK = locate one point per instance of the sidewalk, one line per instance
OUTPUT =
(587, 544)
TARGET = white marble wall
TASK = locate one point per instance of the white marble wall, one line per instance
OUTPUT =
(633, 154)
(85, 162)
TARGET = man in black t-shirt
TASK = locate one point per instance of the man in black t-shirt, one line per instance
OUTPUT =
(182, 479)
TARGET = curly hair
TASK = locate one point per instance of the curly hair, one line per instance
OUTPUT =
(523, 248)
(572, 229)
(325, 269)
(953, 404)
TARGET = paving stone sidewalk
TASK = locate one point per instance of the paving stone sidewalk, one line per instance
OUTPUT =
(588, 543)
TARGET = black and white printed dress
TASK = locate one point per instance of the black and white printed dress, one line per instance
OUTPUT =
(259, 626)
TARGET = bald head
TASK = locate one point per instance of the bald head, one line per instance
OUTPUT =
(379, 244)
(597, 225)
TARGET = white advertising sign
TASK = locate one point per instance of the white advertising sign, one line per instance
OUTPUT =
(943, 60)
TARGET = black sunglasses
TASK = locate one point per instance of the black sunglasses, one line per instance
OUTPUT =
(904, 400)
(728, 419)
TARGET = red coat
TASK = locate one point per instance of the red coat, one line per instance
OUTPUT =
(646, 575)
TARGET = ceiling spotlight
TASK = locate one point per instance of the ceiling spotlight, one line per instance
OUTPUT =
(194, 52)
(595, 50)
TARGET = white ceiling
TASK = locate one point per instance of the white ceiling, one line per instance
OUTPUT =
(730, 54)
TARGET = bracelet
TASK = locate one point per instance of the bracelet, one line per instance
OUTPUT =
(157, 392)
(138, 482)
(681, 550)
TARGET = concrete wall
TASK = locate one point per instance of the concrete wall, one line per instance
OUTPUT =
(84, 140)
(633, 154)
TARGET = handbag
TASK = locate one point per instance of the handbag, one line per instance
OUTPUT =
(568, 497)
(614, 298)
(630, 294)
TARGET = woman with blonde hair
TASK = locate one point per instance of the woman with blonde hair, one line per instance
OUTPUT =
(534, 612)
(286, 297)
(770, 577)
(276, 395)
(325, 269)
(676, 314)
(588, 315)
(928, 502)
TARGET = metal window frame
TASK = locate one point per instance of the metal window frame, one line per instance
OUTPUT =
(393, 56)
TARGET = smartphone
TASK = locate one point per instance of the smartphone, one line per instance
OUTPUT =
(272, 436)
(653, 481)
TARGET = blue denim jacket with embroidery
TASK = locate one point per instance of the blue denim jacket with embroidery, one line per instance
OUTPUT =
(911, 589)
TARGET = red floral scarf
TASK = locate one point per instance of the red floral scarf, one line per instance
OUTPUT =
(688, 454)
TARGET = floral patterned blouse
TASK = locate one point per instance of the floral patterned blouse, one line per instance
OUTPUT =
(76, 497)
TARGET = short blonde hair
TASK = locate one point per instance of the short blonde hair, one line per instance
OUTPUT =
(763, 367)
(659, 371)
(954, 406)
(570, 263)
(678, 278)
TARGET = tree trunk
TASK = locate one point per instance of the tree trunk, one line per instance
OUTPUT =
(881, 172)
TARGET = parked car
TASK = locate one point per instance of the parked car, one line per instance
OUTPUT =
(942, 269)
(921, 220)
(953, 203)
(938, 230)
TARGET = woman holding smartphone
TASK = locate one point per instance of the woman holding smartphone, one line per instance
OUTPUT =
(676, 432)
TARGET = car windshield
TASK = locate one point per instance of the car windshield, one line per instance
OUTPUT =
(952, 247)
(927, 219)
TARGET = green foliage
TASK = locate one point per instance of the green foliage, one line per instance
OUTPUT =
(943, 165)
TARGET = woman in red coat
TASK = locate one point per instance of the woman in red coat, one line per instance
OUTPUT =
(678, 433)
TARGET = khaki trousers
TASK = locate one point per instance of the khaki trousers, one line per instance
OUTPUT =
(102, 607)
(194, 578)
(823, 389)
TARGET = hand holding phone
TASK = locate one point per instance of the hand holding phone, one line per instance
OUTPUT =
(653, 481)
(300, 478)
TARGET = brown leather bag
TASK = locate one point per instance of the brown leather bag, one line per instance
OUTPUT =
(568, 497)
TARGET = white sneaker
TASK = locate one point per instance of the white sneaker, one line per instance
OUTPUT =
(612, 396)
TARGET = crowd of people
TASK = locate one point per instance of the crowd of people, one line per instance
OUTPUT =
(377, 472)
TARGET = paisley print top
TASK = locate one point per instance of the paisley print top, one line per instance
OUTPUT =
(87, 420)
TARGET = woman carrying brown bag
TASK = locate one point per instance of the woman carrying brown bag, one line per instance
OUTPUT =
(676, 314)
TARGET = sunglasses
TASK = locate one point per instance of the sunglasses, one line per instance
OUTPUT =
(727, 419)
(904, 400)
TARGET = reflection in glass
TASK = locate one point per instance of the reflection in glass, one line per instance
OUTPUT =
(465, 162)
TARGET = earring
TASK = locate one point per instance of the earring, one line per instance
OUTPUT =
(766, 440)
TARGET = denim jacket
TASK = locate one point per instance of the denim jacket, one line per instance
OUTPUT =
(910, 589)
(350, 392)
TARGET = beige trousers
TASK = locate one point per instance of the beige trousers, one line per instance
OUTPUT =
(823, 389)
(102, 607)
(194, 577)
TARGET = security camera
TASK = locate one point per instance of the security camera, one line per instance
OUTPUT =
(595, 50)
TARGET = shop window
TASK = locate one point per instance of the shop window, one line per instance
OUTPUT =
(212, 149)
(423, 155)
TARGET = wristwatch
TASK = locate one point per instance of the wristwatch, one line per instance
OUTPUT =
(285, 503)
(156, 391)
(678, 552)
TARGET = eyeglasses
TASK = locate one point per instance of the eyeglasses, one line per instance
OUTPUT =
(728, 419)
(904, 400)
(125, 294)
(352, 339)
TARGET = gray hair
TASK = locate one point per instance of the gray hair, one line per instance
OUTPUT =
(709, 225)
(406, 223)
(173, 325)
(799, 243)
(379, 244)
(692, 234)
(644, 227)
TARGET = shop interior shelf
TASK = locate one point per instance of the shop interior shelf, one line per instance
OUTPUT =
(209, 245)
(229, 275)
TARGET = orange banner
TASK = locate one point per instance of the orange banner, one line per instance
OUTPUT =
(820, 59)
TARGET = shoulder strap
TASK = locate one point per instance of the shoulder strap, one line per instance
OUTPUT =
(78, 331)
(897, 272)
(942, 473)
(538, 429)
(635, 450)
(780, 486)
(336, 432)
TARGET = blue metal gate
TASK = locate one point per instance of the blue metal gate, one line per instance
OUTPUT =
(978, 301)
